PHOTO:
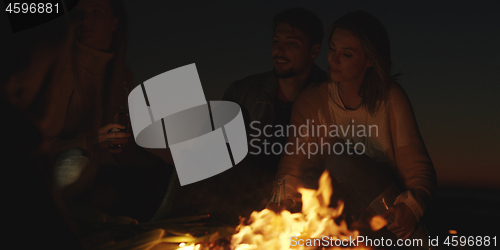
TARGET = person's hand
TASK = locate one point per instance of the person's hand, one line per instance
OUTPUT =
(287, 204)
(405, 221)
(106, 138)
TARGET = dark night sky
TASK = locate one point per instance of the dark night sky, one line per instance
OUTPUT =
(448, 54)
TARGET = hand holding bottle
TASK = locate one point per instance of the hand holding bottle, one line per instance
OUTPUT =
(280, 201)
(104, 137)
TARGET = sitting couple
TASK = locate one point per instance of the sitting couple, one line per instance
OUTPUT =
(357, 90)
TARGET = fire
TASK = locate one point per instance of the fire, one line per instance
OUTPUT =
(377, 223)
(267, 230)
(190, 247)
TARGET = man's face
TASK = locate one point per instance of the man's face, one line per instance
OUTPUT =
(291, 51)
(96, 24)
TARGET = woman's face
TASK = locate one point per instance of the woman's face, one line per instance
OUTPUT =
(96, 24)
(347, 61)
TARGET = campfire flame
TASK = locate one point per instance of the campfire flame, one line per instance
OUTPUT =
(267, 230)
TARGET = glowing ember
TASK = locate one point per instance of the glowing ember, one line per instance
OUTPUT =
(453, 231)
(190, 247)
(267, 230)
(377, 223)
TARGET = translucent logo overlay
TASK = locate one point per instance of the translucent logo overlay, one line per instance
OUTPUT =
(170, 111)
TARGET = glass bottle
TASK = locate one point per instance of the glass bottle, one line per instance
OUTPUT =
(122, 117)
(279, 193)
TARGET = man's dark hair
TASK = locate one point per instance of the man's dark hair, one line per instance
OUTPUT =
(303, 19)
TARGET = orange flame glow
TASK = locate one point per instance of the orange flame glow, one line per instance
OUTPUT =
(267, 230)
(377, 223)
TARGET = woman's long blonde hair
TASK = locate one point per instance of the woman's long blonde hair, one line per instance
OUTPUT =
(375, 42)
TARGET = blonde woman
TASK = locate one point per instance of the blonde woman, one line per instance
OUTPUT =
(372, 141)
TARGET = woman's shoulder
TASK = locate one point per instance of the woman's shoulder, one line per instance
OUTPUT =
(397, 95)
(398, 101)
(313, 93)
(315, 90)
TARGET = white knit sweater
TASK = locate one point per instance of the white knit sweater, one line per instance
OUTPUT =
(395, 139)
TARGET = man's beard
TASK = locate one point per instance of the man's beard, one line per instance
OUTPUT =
(285, 74)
